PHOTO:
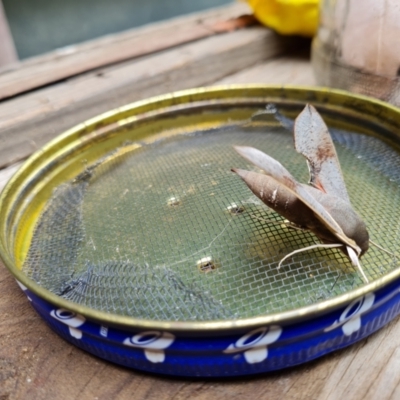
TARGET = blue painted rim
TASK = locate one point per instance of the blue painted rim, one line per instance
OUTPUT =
(240, 352)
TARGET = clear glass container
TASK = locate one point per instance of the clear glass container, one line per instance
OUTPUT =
(357, 47)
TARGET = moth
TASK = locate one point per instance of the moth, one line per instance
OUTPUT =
(323, 206)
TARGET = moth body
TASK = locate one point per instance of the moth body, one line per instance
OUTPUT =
(323, 207)
(276, 196)
(346, 217)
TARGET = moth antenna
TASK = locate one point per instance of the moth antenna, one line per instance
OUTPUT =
(356, 262)
(383, 249)
(285, 221)
(314, 246)
(293, 226)
(273, 221)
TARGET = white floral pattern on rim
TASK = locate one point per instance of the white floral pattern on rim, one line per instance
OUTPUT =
(24, 289)
(254, 344)
(350, 319)
(153, 343)
(71, 319)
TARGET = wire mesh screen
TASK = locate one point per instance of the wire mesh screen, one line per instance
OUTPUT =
(167, 232)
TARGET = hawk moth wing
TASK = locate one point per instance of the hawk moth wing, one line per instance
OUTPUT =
(313, 141)
(323, 208)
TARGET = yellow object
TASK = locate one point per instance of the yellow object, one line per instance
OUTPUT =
(288, 17)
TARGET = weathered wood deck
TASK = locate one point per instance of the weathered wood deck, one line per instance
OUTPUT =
(42, 97)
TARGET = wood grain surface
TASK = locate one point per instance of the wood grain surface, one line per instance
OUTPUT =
(35, 363)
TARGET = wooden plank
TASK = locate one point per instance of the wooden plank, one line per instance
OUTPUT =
(295, 69)
(74, 60)
(47, 112)
(36, 363)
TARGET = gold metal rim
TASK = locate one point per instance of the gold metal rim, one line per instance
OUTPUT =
(340, 100)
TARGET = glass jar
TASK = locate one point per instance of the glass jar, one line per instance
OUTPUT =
(357, 47)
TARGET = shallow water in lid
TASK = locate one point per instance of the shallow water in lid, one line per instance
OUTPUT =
(167, 232)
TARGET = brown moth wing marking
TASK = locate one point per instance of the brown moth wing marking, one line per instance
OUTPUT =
(279, 173)
(277, 196)
(313, 141)
(281, 199)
